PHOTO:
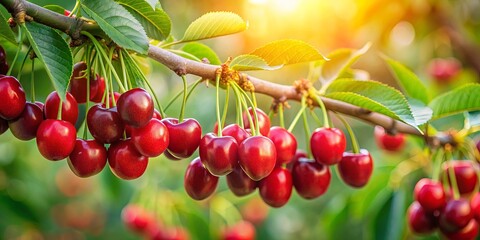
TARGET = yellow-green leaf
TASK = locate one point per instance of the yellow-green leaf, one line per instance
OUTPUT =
(464, 98)
(214, 24)
(249, 62)
(287, 51)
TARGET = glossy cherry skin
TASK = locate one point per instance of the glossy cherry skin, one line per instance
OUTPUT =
(242, 230)
(465, 174)
(328, 145)
(419, 220)
(218, 154)
(257, 157)
(285, 144)
(456, 215)
(475, 205)
(78, 83)
(12, 98)
(104, 124)
(235, 131)
(388, 142)
(168, 155)
(137, 219)
(184, 137)
(276, 189)
(468, 232)
(125, 161)
(56, 139)
(199, 183)
(99, 84)
(3, 125)
(299, 153)
(152, 139)
(356, 168)
(25, 126)
(112, 99)
(240, 183)
(69, 107)
(310, 179)
(430, 194)
(135, 107)
(263, 120)
(87, 158)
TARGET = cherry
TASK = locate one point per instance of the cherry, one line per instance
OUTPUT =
(105, 125)
(135, 107)
(356, 168)
(455, 216)
(242, 230)
(236, 132)
(41, 106)
(136, 218)
(170, 156)
(285, 144)
(99, 84)
(468, 232)
(239, 183)
(3, 125)
(218, 154)
(175, 233)
(69, 107)
(156, 114)
(389, 142)
(257, 157)
(310, 179)
(3, 61)
(184, 137)
(56, 139)
(25, 126)
(87, 158)
(276, 188)
(430, 194)
(78, 83)
(263, 120)
(12, 98)
(298, 154)
(199, 183)
(475, 205)
(152, 139)
(111, 99)
(125, 161)
(465, 174)
(3, 68)
(328, 145)
(443, 70)
(419, 220)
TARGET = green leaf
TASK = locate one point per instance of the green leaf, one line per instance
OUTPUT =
(373, 96)
(420, 111)
(5, 30)
(55, 8)
(249, 62)
(390, 221)
(214, 24)
(156, 22)
(54, 52)
(287, 51)
(201, 51)
(461, 99)
(118, 24)
(135, 75)
(152, 3)
(410, 83)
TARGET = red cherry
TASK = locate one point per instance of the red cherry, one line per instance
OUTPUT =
(99, 84)
(218, 154)
(168, 155)
(242, 230)
(235, 131)
(257, 157)
(69, 107)
(475, 205)
(419, 220)
(25, 126)
(87, 158)
(328, 145)
(276, 188)
(105, 125)
(430, 194)
(156, 114)
(310, 179)
(184, 137)
(285, 144)
(136, 218)
(263, 120)
(152, 139)
(135, 107)
(12, 98)
(389, 142)
(78, 83)
(112, 99)
(455, 216)
(356, 168)
(443, 70)
(240, 183)
(40, 105)
(469, 232)
(465, 174)
(199, 183)
(125, 161)
(298, 154)
(3, 125)
(56, 139)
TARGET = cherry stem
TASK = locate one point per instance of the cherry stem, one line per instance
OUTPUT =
(238, 110)
(326, 122)
(451, 175)
(257, 126)
(437, 165)
(225, 107)
(88, 63)
(122, 63)
(280, 115)
(59, 113)
(299, 114)
(32, 80)
(75, 9)
(306, 128)
(242, 97)
(184, 102)
(19, 49)
(315, 117)
(219, 119)
(106, 96)
(355, 146)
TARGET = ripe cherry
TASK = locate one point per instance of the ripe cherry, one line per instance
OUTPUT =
(3, 62)
(12, 98)
(310, 179)
(56, 139)
(78, 83)
(125, 161)
(104, 124)
(285, 144)
(236, 132)
(152, 139)
(276, 188)
(136, 218)
(328, 145)
(263, 120)
(3, 125)
(356, 168)
(135, 107)
(430, 194)
(475, 205)
(419, 220)
(444, 70)
(69, 107)
(468, 232)
(184, 137)
(257, 157)
(87, 158)
(465, 174)
(168, 155)
(240, 183)
(112, 99)
(99, 84)
(456, 215)
(199, 183)
(389, 142)
(25, 126)
(242, 230)
(218, 154)
(298, 154)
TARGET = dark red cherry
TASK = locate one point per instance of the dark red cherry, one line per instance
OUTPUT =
(104, 124)
(285, 144)
(299, 153)
(328, 145)
(56, 139)
(125, 161)
(456, 215)
(465, 174)
(25, 126)
(242, 230)
(184, 137)
(99, 84)
(112, 99)
(469, 232)
(152, 139)
(310, 179)
(430, 194)
(69, 107)
(257, 157)
(3, 125)
(475, 205)
(170, 156)
(235, 131)
(87, 158)
(218, 154)
(199, 183)
(263, 121)
(3, 68)
(137, 219)
(356, 168)
(40, 105)
(135, 107)
(78, 83)
(419, 220)
(240, 183)
(12, 98)
(276, 188)
(389, 142)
